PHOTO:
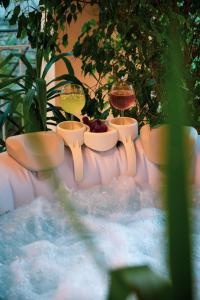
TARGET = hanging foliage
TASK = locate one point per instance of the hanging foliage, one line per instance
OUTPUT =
(130, 41)
(40, 21)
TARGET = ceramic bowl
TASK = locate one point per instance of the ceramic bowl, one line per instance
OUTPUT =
(71, 132)
(101, 141)
(126, 127)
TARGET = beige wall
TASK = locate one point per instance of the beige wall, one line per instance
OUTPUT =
(90, 12)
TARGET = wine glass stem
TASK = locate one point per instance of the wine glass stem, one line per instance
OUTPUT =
(122, 113)
(72, 117)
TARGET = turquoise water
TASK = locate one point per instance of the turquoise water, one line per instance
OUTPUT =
(42, 257)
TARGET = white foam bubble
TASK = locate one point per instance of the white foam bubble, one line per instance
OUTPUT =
(42, 257)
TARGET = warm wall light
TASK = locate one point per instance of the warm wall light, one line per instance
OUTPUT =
(73, 31)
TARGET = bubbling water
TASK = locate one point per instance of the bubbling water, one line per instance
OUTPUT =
(42, 256)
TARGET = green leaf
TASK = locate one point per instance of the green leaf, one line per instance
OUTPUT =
(56, 112)
(16, 10)
(105, 114)
(4, 104)
(28, 101)
(151, 83)
(65, 40)
(77, 49)
(56, 58)
(6, 60)
(5, 83)
(39, 58)
(88, 68)
(54, 90)
(29, 80)
(177, 192)
(73, 9)
(28, 65)
(110, 29)
(79, 7)
(139, 280)
(55, 87)
(23, 58)
(5, 3)
(7, 93)
(2, 149)
(42, 100)
(75, 17)
(68, 66)
(52, 93)
(34, 122)
(68, 78)
(15, 15)
(4, 76)
(53, 96)
(99, 67)
(22, 26)
(69, 18)
(90, 107)
(4, 114)
(87, 26)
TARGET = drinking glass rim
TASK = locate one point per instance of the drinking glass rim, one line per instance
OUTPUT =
(73, 85)
(70, 93)
(126, 82)
(62, 126)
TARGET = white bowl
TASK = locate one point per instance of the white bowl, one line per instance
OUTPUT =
(101, 141)
(71, 131)
(126, 127)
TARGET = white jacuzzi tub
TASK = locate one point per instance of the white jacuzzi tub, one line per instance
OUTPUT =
(20, 182)
(41, 255)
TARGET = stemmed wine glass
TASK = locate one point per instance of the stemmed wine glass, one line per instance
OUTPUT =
(72, 98)
(122, 96)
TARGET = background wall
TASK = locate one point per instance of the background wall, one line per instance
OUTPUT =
(74, 30)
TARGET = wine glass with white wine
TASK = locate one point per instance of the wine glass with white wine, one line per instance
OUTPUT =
(72, 99)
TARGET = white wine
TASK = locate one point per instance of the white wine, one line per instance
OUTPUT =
(72, 103)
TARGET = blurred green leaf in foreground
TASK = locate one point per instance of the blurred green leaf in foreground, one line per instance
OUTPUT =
(141, 280)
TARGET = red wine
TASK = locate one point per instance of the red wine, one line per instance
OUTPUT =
(122, 99)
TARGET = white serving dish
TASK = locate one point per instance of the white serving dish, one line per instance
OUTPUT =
(72, 133)
(101, 141)
(127, 129)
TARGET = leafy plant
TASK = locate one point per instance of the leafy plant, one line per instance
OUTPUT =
(130, 41)
(27, 98)
(126, 50)
(39, 21)
(177, 192)
(141, 280)
(35, 93)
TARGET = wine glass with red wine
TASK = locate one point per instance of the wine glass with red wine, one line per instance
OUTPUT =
(122, 96)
